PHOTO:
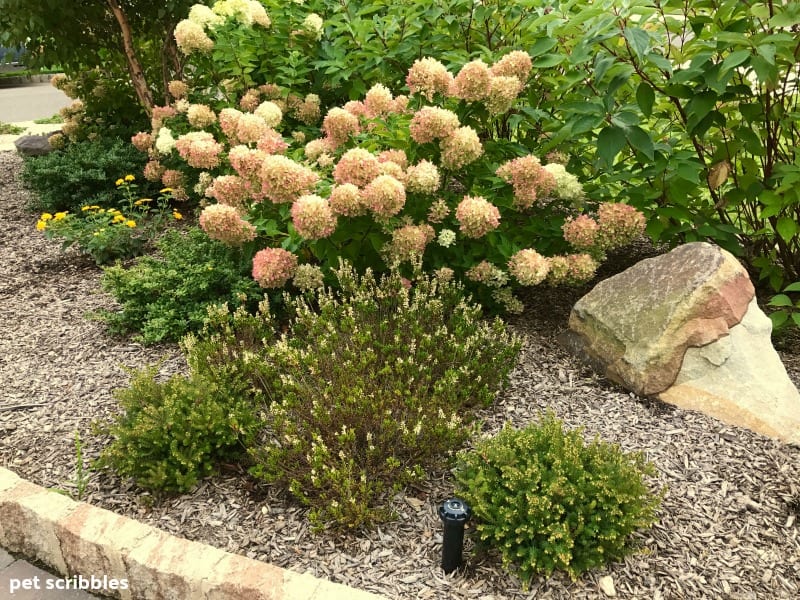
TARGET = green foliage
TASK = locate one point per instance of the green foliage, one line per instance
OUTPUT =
(546, 500)
(376, 386)
(10, 129)
(164, 297)
(81, 174)
(172, 434)
(786, 310)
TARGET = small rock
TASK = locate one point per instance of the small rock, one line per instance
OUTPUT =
(607, 586)
(33, 145)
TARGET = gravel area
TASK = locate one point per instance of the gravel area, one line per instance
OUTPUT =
(728, 526)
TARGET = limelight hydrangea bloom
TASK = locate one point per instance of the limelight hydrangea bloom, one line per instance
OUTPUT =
(581, 232)
(272, 142)
(396, 156)
(444, 274)
(427, 76)
(273, 267)
(229, 122)
(438, 211)
(477, 216)
(142, 141)
(339, 125)
(199, 149)
(514, 64)
(447, 237)
(315, 148)
(461, 148)
(423, 178)
(431, 123)
(502, 93)
(409, 241)
(224, 223)
(619, 224)
(191, 37)
(153, 170)
(231, 190)
(486, 273)
(346, 200)
(249, 128)
(528, 267)
(312, 217)
(284, 180)
(356, 108)
(250, 100)
(385, 196)
(308, 111)
(165, 143)
(571, 270)
(178, 89)
(245, 12)
(200, 116)
(567, 185)
(356, 166)
(308, 277)
(313, 25)
(270, 112)
(528, 178)
(246, 161)
(472, 82)
(204, 16)
(204, 181)
(378, 101)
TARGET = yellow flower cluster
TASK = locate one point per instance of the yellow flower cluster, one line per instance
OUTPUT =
(41, 224)
(123, 180)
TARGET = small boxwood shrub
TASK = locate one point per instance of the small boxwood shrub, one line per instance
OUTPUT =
(546, 500)
(166, 296)
(375, 388)
(172, 434)
(82, 174)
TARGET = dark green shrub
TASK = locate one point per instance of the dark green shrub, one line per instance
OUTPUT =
(171, 434)
(164, 297)
(547, 501)
(83, 173)
(375, 388)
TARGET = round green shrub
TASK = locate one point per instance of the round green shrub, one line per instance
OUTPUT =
(546, 500)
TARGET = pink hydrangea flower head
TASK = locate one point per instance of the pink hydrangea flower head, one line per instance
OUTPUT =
(249, 128)
(393, 169)
(231, 190)
(178, 89)
(581, 232)
(427, 76)
(246, 161)
(355, 108)
(273, 267)
(396, 156)
(431, 123)
(477, 216)
(528, 267)
(503, 91)
(142, 141)
(200, 116)
(159, 114)
(315, 148)
(270, 91)
(514, 64)
(410, 241)
(438, 211)
(272, 142)
(378, 101)
(153, 171)
(199, 149)
(472, 82)
(312, 217)
(270, 113)
(339, 125)
(619, 224)
(346, 200)
(229, 123)
(308, 111)
(385, 196)
(529, 179)
(172, 178)
(224, 223)
(250, 100)
(461, 148)
(400, 105)
(357, 166)
(284, 180)
(573, 269)
(423, 178)
(486, 273)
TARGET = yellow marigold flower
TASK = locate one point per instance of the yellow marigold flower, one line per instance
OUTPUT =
(119, 219)
(120, 182)
(130, 178)
(176, 215)
(166, 190)
(141, 201)
(130, 224)
(46, 216)
(41, 225)
(60, 215)
(101, 211)
(85, 208)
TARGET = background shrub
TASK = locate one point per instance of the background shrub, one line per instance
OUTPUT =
(375, 388)
(167, 295)
(171, 434)
(545, 500)
(83, 173)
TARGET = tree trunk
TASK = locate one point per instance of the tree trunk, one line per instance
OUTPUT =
(134, 66)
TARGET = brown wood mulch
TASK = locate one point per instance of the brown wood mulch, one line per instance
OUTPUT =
(728, 527)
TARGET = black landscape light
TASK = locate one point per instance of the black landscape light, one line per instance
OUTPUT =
(454, 513)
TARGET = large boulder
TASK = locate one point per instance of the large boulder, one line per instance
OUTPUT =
(33, 145)
(685, 327)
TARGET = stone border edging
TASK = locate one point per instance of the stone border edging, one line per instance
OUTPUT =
(76, 538)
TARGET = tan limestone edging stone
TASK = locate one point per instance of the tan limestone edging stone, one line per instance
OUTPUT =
(75, 538)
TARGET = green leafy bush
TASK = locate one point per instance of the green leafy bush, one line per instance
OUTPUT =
(171, 434)
(163, 297)
(82, 174)
(375, 387)
(546, 500)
